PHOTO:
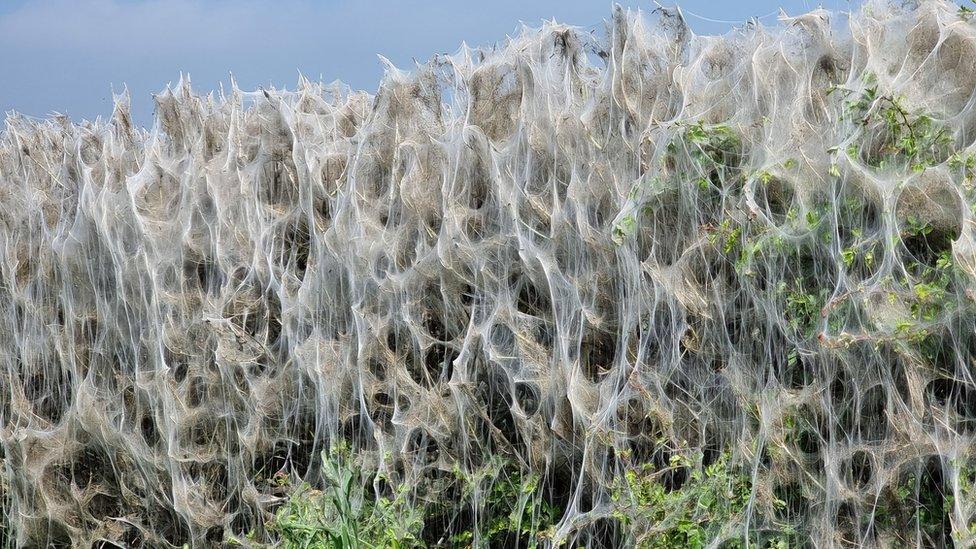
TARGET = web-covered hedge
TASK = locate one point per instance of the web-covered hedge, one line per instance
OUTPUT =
(644, 288)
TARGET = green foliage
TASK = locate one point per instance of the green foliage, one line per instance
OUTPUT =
(729, 233)
(803, 308)
(916, 227)
(966, 496)
(624, 228)
(967, 164)
(929, 506)
(514, 504)
(931, 288)
(818, 223)
(916, 140)
(712, 142)
(345, 515)
(693, 515)
(702, 157)
(708, 151)
(848, 255)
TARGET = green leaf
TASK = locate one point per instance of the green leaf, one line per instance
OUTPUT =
(847, 256)
(624, 228)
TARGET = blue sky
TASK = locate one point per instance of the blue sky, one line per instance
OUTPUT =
(66, 55)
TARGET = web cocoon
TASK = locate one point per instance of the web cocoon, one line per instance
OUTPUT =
(587, 254)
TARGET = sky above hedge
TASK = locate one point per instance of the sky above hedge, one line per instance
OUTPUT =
(68, 55)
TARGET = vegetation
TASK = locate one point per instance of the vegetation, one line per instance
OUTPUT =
(347, 514)
(702, 157)
(705, 504)
(514, 504)
(890, 133)
(708, 506)
(967, 495)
